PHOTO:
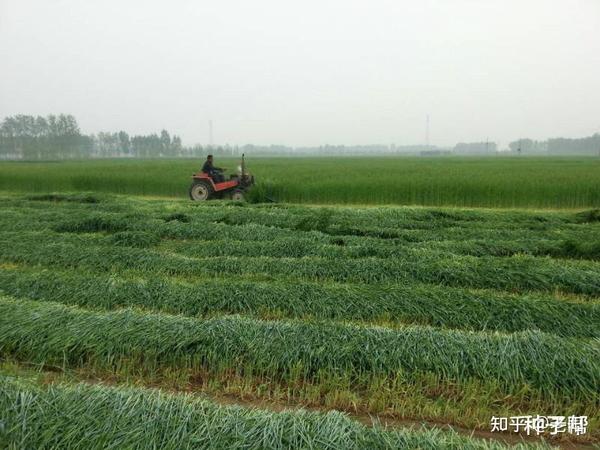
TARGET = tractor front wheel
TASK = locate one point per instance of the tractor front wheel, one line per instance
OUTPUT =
(238, 195)
(200, 191)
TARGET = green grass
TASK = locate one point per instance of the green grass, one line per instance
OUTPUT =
(446, 314)
(490, 182)
(392, 305)
(55, 334)
(517, 273)
(99, 417)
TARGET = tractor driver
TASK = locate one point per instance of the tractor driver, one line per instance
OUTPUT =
(212, 171)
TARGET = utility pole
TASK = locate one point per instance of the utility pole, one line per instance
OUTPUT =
(210, 133)
(427, 131)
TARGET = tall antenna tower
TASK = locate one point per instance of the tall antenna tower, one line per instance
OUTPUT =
(427, 131)
(210, 133)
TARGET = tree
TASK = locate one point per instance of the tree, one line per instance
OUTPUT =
(124, 143)
(165, 143)
(176, 147)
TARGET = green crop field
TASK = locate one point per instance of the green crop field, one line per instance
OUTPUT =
(135, 322)
(151, 419)
(489, 182)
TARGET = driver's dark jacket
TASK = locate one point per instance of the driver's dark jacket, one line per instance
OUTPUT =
(209, 168)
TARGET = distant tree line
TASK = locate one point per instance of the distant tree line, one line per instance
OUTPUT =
(583, 146)
(59, 137)
(120, 144)
(29, 137)
(558, 146)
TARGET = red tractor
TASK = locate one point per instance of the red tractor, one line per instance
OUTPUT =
(205, 188)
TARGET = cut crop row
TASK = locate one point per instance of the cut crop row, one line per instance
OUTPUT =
(97, 417)
(263, 240)
(55, 334)
(392, 304)
(518, 273)
(373, 222)
(360, 248)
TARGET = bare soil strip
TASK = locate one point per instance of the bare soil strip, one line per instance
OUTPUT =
(52, 375)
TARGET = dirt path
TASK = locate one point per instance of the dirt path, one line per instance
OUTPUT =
(370, 420)
(51, 375)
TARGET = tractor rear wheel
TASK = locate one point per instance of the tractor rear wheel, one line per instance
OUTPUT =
(238, 195)
(200, 191)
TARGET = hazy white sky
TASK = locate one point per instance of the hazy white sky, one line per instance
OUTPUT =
(307, 72)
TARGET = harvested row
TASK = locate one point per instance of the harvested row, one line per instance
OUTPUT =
(336, 220)
(55, 334)
(368, 228)
(290, 215)
(260, 240)
(495, 242)
(518, 273)
(424, 224)
(99, 417)
(360, 248)
(393, 304)
(210, 228)
(324, 232)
